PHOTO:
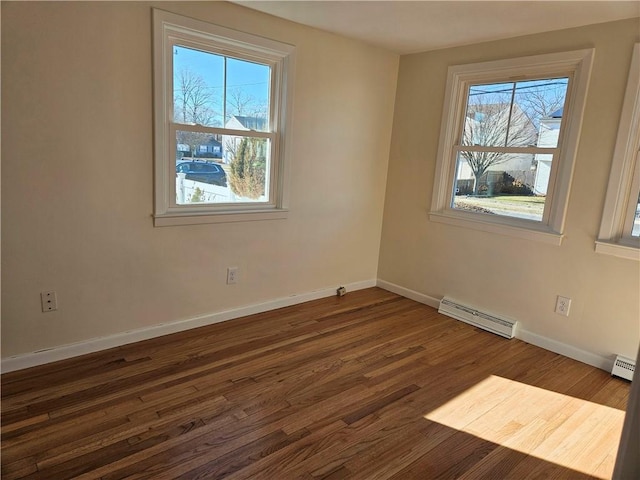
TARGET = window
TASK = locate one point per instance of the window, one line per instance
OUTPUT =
(507, 144)
(620, 227)
(222, 107)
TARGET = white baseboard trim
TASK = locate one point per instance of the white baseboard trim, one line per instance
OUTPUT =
(570, 351)
(411, 294)
(19, 362)
(554, 346)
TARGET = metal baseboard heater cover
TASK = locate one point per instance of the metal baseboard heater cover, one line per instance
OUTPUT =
(624, 367)
(500, 326)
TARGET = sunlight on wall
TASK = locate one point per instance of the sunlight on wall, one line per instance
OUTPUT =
(554, 427)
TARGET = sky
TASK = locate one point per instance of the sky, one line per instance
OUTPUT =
(251, 79)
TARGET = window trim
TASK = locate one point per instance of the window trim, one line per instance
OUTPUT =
(624, 179)
(169, 28)
(574, 64)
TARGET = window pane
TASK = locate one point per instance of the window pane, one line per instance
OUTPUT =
(515, 114)
(207, 180)
(499, 184)
(635, 230)
(543, 103)
(197, 145)
(198, 87)
(487, 115)
(247, 99)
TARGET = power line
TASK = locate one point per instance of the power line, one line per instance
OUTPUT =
(473, 91)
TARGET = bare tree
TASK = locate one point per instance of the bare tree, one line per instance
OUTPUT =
(193, 105)
(499, 124)
(541, 101)
(193, 100)
(241, 103)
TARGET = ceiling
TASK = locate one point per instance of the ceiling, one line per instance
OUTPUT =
(416, 26)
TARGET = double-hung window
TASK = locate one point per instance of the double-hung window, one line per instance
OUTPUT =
(222, 107)
(620, 227)
(507, 144)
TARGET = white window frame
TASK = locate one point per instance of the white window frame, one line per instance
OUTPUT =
(624, 180)
(171, 30)
(576, 65)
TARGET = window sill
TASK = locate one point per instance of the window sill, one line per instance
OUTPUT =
(511, 227)
(191, 218)
(618, 250)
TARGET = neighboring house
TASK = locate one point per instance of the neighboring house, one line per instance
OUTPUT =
(547, 137)
(211, 149)
(239, 122)
(486, 125)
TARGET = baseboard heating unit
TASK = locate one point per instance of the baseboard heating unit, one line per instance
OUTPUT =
(624, 367)
(500, 326)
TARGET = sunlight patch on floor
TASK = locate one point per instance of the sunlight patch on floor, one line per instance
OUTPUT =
(557, 428)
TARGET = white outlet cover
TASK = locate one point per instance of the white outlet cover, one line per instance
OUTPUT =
(232, 275)
(49, 301)
(563, 304)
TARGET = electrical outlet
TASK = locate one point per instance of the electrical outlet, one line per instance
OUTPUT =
(562, 305)
(49, 301)
(232, 275)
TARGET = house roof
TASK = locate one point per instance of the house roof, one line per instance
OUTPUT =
(252, 123)
(557, 113)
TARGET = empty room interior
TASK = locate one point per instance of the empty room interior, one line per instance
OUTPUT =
(320, 240)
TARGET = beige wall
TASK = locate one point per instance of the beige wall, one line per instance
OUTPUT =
(514, 277)
(78, 176)
(77, 186)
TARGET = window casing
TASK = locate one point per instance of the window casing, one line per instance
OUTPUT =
(570, 67)
(620, 227)
(265, 136)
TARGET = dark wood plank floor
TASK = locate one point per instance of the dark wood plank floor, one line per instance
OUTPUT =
(367, 386)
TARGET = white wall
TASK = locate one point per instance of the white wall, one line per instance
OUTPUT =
(509, 276)
(78, 176)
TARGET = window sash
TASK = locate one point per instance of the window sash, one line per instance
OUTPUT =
(174, 30)
(174, 127)
(499, 218)
(574, 65)
(269, 183)
(273, 63)
(516, 150)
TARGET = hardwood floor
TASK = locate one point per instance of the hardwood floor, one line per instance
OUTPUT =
(366, 386)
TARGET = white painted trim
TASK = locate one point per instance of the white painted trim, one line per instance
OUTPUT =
(618, 250)
(512, 227)
(19, 362)
(191, 217)
(567, 350)
(407, 293)
(622, 190)
(574, 64)
(170, 29)
(555, 346)
(54, 354)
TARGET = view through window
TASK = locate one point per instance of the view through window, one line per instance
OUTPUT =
(635, 228)
(221, 111)
(508, 143)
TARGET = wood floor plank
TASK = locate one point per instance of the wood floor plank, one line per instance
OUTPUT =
(366, 386)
